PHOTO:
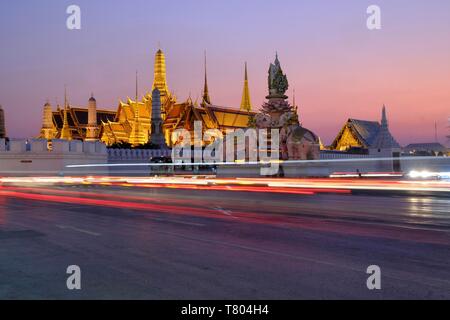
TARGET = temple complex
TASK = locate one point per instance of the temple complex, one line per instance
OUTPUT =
(132, 121)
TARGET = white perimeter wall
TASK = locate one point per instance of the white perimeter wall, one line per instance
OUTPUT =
(31, 157)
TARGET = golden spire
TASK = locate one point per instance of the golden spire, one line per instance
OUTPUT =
(206, 99)
(159, 80)
(246, 104)
(137, 86)
(136, 106)
(136, 136)
(66, 134)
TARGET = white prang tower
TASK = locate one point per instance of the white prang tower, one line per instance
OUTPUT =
(157, 136)
(92, 128)
(48, 129)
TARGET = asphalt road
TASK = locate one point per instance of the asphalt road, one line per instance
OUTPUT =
(164, 243)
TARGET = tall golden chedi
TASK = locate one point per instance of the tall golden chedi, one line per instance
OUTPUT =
(160, 77)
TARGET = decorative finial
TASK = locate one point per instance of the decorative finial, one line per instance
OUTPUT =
(206, 99)
(384, 121)
(436, 132)
(246, 76)
(136, 112)
(136, 86)
(246, 104)
(277, 62)
(205, 61)
(65, 96)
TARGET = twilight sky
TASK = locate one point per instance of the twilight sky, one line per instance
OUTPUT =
(338, 67)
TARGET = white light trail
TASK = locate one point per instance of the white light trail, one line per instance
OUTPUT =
(240, 163)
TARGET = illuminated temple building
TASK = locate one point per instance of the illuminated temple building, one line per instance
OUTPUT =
(131, 122)
(365, 135)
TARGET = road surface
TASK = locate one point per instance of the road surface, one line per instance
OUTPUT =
(170, 243)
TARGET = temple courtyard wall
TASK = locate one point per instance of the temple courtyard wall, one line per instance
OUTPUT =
(20, 157)
(128, 162)
(338, 163)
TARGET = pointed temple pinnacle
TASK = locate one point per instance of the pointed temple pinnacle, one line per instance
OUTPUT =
(65, 96)
(65, 122)
(65, 131)
(246, 75)
(246, 104)
(384, 122)
(206, 99)
(159, 77)
(136, 86)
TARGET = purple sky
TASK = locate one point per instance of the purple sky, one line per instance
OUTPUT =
(339, 68)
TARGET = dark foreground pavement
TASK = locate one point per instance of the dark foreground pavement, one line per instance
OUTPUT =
(182, 244)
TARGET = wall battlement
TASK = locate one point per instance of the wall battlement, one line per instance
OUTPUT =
(39, 146)
(21, 157)
(130, 155)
